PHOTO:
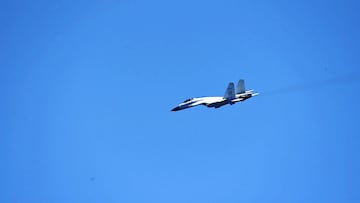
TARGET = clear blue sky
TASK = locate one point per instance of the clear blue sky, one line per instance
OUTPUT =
(87, 87)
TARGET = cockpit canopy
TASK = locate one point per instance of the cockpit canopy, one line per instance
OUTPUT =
(187, 100)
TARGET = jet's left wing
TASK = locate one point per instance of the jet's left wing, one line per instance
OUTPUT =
(230, 91)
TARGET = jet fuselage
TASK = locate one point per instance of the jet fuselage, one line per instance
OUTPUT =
(230, 97)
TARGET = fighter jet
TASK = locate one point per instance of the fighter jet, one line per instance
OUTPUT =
(231, 97)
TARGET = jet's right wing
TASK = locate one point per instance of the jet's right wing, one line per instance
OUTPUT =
(240, 87)
(230, 91)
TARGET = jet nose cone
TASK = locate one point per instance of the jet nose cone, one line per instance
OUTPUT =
(175, 109)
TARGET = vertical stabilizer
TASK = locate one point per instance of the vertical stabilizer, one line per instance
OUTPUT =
(240, 87)
(230, 91)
